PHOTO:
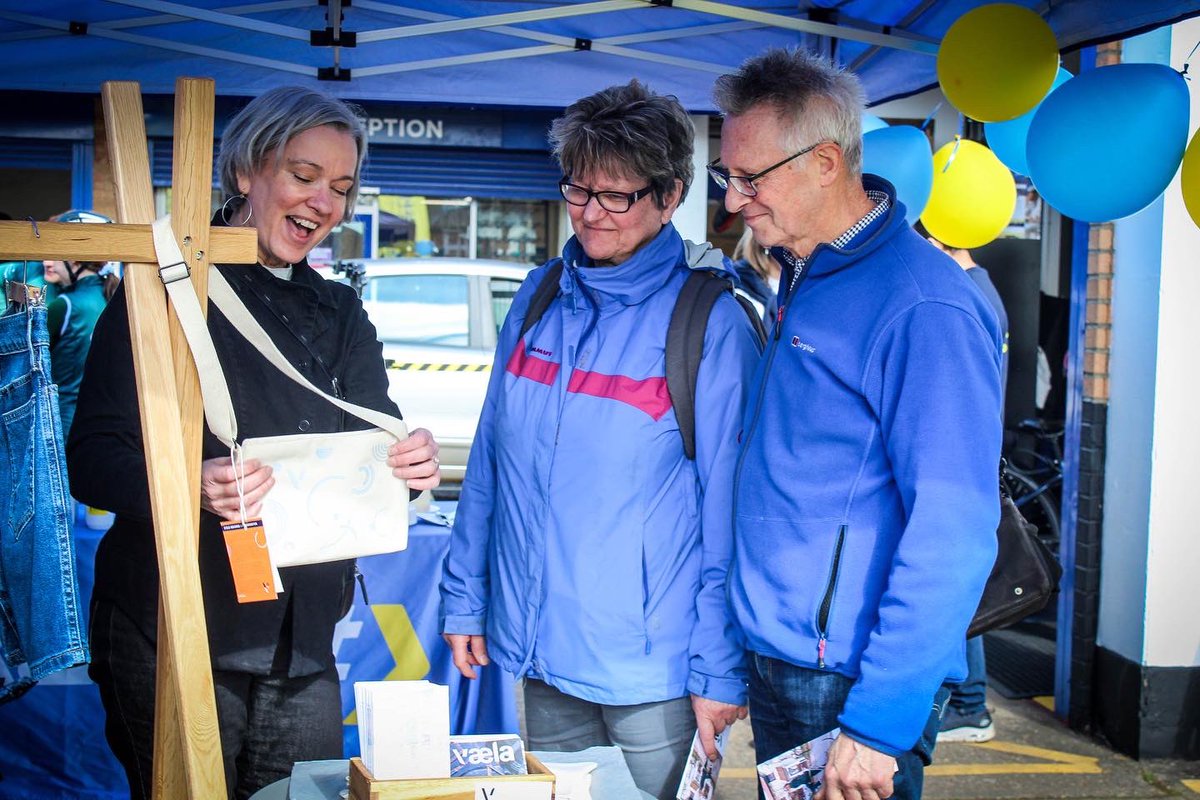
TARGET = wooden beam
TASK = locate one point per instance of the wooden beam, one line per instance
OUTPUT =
(172, 504)
(116, 242)
(103, 201)
(191, 200)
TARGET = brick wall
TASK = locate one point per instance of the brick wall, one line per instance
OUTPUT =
(1097, 338)
(1089, 521)
(1097, 334)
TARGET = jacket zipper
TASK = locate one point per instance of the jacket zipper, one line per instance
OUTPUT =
(573, 350)
(827, 600)
(337, 392)
(568, 350)
(753, 426)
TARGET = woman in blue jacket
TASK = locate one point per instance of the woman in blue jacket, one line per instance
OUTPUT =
(589, 553)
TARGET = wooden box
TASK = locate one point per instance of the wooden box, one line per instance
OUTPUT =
(363, 785)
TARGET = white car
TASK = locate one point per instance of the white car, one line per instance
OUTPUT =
(437, 319)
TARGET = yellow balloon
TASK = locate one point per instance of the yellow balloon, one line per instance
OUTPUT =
(997, 61)
(1189, 179)
(973, 195)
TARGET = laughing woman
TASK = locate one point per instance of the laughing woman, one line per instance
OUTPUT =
(291, 161)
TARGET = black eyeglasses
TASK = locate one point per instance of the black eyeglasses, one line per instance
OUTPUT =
(745, 183)
(615, 202)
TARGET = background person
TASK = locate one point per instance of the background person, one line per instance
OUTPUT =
(967, 718)
(291, 160)
(871, 457)
(1033, 213)
(759, 275)
(588, 553)
(81, 294)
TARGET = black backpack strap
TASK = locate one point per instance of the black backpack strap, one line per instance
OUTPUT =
(543, 296)
(756, 321)
(685, 346)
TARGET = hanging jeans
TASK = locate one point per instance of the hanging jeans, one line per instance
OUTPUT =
(40, 621)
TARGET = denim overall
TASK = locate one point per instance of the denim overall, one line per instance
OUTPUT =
(40, 623)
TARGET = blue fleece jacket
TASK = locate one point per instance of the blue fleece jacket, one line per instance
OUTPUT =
(587, 547)
(866, 494)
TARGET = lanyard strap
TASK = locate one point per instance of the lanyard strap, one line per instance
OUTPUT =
(218, 407)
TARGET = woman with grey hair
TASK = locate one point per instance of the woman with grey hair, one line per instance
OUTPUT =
(291, 161)
(589, 552)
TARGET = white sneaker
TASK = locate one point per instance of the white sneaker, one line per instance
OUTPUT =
(966, 727)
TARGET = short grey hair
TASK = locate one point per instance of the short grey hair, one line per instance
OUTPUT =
(627, 131)
(271, 120)
(816, 100)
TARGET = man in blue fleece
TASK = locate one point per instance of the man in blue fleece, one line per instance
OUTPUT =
(870, 442)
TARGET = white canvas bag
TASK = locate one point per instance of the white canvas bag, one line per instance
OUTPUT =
(334, 496)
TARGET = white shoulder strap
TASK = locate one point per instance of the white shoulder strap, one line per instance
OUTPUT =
(175, 275)
(223, 296)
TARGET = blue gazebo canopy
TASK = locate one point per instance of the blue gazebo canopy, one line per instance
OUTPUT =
(496, 53)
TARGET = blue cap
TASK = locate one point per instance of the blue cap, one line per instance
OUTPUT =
(81, 215)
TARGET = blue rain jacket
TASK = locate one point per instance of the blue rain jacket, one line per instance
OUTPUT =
(586, 547)
(866, 494)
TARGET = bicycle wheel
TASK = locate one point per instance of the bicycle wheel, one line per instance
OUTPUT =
(1036, 504)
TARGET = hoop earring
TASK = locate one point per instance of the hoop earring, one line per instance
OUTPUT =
(225, 210)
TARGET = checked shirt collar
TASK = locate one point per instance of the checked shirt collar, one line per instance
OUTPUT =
(882, 203)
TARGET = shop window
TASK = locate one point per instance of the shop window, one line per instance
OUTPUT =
(508, 230)
(450, 228)
(513, 230)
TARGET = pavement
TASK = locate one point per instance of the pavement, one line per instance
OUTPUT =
(1033, 757)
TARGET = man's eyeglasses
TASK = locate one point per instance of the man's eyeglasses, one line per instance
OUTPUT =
(745, 183)
(615, 202)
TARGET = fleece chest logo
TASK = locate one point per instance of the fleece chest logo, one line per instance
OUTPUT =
(805, 346)
(541, 351)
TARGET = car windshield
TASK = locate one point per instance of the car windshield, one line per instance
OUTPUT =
(419, 309)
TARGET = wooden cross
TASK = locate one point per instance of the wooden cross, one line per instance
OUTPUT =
(187, 746)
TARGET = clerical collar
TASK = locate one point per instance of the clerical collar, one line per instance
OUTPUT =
(284, 272)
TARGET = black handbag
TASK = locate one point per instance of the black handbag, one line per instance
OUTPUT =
(1024, 577)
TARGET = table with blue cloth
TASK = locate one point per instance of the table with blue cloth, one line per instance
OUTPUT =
(52, 743)
(325, 780)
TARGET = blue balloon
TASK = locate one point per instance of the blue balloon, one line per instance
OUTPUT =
(870, 122)
(1106, 143)
(901, 154)
(1007, 139)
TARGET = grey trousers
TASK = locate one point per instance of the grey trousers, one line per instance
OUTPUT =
(654, 737)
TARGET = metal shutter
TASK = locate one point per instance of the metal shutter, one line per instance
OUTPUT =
(35, 154)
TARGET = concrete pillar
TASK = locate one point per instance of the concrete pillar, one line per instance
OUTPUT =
(1147, 677)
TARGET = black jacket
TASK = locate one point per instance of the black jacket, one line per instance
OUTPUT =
(320, 326)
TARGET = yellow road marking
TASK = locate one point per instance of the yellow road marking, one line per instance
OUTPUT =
(1045, 701)
(1194, 785)
(1060, 763)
